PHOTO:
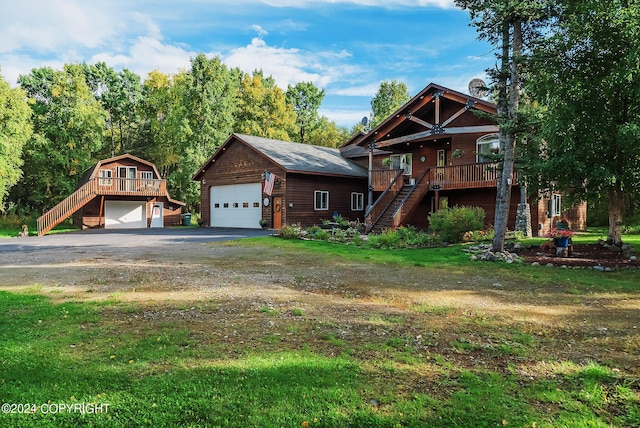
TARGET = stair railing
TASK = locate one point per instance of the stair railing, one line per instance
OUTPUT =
(374, 212)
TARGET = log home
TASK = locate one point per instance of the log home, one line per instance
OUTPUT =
(121, 192)
(434, 152)
(249, 179)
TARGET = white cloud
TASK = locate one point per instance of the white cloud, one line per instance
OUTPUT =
(148, 54)
(45, 25)
(258, 29)
(288, 66)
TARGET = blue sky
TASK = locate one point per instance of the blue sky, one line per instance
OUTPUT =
(346, 47)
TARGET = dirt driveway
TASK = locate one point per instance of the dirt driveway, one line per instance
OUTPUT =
(224, 289)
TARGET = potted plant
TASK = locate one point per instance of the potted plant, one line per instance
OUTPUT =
(263, 223)
(457, 153)
(560, 236)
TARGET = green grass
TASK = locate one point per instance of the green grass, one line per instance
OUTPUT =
(385, 369)
(161, 375)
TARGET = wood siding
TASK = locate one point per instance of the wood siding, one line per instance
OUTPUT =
(240, 164)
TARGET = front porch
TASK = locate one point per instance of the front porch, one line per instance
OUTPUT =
(402, 192)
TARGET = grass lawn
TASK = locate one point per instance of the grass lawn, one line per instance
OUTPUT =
(272, 333)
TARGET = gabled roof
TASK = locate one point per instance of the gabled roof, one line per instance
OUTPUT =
(294, 157)
(409, 120)
(93, 171)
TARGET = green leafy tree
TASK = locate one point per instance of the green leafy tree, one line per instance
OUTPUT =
(390, 97)
(306, 99)
(15, 131)
(327, 133)
(263, 109)
(119, 93)
(68, 125)
(588, 76)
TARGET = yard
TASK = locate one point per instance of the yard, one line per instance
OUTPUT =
(271, 333)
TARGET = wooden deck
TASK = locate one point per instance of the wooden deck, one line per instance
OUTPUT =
(99, 187)
(471, 176)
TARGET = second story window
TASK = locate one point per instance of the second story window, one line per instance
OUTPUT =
(487, 146)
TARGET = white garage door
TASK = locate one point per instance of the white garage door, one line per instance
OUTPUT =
(125, 215)
(236, 205)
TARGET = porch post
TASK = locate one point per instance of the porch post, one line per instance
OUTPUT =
(372, 146)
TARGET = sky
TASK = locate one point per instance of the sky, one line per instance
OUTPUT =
(346, 47)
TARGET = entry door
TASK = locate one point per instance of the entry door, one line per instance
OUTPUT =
(277, 212)
(156, 215)
(128, 173)
(442, 162)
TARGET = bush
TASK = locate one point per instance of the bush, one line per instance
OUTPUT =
(403, 237)
(452, 223)
(290, 232)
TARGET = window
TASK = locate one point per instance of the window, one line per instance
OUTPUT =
(357, 201)
(555, 208)
(487, 145)
(401, 162)
(321, 200)
(105, 177)
(146, 175)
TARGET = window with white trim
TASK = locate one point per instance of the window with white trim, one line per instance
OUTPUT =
(402, 161)
(146, 175)
(556, 208)
(487, 145)
(321, 198)
(357, 201)
(105, 177)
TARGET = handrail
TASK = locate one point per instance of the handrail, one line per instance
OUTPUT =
(66, 207)
(420, 184)
(373, 213)
(99, 186)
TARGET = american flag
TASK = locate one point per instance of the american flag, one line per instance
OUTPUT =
(269, 181)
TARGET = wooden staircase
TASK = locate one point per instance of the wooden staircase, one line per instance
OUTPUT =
(67, 207)
(386, 219)
(393, 211)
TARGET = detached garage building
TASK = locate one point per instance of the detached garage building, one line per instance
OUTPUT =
(122, 192)
(252, 178)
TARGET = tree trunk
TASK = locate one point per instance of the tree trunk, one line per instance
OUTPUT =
(508, 100)
(616, 210)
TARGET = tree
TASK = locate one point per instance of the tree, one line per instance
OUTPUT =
(390, 97)
(509, 25)
(305, 98)
(327, 133)
(68, 124)
(15, 131)
(263, 110)
(588, 76)
(119, 93)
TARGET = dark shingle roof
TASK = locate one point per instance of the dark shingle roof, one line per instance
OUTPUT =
(297, 157)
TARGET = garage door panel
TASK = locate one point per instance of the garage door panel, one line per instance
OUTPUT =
(236, 205)
(125, 215)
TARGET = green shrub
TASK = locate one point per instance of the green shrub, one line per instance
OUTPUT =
(403, 237)
(290, 232)
(452, 223)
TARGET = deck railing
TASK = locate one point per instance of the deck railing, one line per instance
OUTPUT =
(471, 176)
(96, 187)
(391, 191)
